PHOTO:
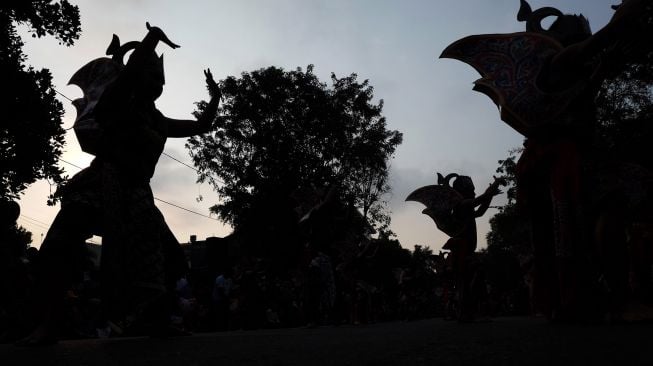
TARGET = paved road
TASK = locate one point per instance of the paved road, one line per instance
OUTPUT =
(504, 341)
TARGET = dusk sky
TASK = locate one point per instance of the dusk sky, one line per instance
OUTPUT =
(447, 127)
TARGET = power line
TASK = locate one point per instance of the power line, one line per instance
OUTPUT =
(29, 218)
(179, 161)
(26, 222)
(69, 163)
(156, 198)
(185, 209)
(188, 166)
(46, 228)
(164, 153)
(40, 224)
(60, 93)
(33, 222)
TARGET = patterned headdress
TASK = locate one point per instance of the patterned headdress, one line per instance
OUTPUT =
(567, 28)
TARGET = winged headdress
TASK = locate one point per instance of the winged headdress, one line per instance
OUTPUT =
(510, 65)
(94, 78)
(440, 200)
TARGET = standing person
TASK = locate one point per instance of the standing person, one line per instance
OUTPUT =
(465, 242)
(454, 210)
(221, 297)
(321, 264)
(112, 198)
(15, 281)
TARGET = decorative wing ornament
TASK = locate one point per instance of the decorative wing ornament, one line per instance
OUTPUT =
(440, 201)
(93, 78)
(510, 65)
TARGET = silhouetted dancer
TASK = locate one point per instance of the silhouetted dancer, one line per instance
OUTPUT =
(118, 122)
(221, 298)
(545, 82)
(15, 279)
(331, 228)
(454, 210)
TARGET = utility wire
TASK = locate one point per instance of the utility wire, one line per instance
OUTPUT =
(156, 198)
(40, 224)
(58, 92)
(190, 167)
(34, 224)
(185, 209)
(69, 163)
(35, 220)
(179, 161)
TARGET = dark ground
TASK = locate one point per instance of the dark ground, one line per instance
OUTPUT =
(504, 341)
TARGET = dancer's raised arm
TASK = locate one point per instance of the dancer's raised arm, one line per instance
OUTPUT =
(187, 128)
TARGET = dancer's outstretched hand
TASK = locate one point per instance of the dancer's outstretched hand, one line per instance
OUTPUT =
(214, 88)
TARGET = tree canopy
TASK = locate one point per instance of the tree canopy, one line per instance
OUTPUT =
(625, 112)
(31, 136)
(509, 228)
(281, 131)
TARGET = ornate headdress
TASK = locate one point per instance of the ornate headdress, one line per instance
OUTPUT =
(94, 77)
(567, 28)
(154, 62)
(510, 65)
(440, 200)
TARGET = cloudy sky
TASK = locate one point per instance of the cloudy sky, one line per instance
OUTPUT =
(394, 43)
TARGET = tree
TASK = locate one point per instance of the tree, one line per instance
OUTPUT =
(31, 136)
(281, 131)
(625, 111)
(509, 229)
(21, 238)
